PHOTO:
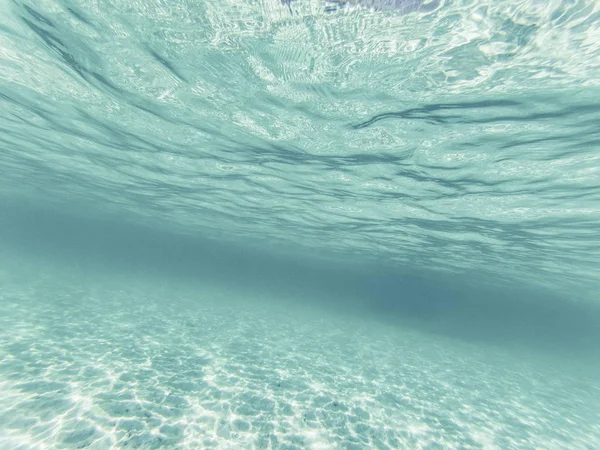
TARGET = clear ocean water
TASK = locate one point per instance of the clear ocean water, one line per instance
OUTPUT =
(300, 224)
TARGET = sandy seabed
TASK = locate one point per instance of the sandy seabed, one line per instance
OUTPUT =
(91, 363)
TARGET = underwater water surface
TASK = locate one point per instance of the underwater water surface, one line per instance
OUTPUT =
(299, 224)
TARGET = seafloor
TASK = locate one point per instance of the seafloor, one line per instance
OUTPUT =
(96, 361)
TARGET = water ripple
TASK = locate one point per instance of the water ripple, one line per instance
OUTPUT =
(455, 138)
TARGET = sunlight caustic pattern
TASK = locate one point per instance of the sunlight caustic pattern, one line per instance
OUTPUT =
(92, 363)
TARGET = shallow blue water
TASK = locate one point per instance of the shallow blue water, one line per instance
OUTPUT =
(299, 224)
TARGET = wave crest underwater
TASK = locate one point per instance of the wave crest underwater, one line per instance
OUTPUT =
(460, 138)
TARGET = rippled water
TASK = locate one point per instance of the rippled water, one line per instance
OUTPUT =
(462, 138)
(450, 143)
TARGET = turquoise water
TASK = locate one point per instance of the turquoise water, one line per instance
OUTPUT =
(299, 224)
